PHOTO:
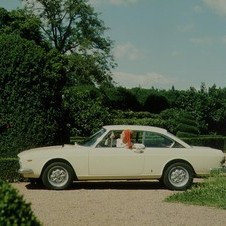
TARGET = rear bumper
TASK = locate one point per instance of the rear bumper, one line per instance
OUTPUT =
(218, 170)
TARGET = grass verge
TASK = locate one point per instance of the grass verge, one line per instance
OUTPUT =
(212, 192)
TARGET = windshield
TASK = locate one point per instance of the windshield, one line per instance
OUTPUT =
(92, 139)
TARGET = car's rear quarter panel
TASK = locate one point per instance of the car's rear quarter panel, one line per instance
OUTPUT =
(201, 160)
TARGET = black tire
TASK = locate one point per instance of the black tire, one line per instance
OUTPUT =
(58, 176)
(35, 181)
(178, 176)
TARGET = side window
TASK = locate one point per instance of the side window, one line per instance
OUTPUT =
(112, 139)
(137, 137)
(157, 140)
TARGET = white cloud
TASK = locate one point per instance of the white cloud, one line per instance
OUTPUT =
(202, 40)
(223, 39)
(186, 28)
(208, 40)
(147, 80)
(122, 2)
(113, 2)
(198, 9)
(176, 53)
(218, 5)
(127, 50)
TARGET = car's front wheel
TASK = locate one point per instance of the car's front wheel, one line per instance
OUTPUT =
(57, 176)
(178, 176)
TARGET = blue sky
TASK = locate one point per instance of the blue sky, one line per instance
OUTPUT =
(164, 43)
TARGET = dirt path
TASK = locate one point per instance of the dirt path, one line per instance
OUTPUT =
(115, 204)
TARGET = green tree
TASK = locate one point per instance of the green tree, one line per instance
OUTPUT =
(119, 98)
(156, 103)
(142, 94)
(193, 101)
(21, 23)
(73, 28)
(35, 71)
(217, 114)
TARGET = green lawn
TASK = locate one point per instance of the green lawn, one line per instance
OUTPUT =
(212, 192)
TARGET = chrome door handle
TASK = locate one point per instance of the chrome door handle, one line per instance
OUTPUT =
(139, 151)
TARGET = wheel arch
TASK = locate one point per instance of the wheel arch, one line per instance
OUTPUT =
(58, 160)
(177, 161)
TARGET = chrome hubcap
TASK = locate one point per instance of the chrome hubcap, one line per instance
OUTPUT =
(178, 176)
(58, 176)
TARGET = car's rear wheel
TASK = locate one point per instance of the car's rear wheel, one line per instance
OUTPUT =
(57, 176)
(178, 176)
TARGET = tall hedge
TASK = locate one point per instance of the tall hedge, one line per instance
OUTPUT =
(86, 111)
(9, 170)
(30, 98)
(187, 125)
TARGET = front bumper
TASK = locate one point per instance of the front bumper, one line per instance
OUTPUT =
(25, 171)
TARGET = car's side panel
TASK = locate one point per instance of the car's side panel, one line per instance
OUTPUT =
(78, 158)
(115, 162)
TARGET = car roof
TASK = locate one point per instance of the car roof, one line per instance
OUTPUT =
(146, 128)
(136, 127)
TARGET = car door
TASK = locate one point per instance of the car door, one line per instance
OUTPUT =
(115, 161)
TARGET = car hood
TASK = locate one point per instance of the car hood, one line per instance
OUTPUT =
(46, 150)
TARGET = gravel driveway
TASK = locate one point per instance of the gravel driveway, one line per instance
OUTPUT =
(115, 203)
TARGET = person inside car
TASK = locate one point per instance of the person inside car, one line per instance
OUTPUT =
(127, 138)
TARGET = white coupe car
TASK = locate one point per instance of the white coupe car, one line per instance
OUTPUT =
(153, 153)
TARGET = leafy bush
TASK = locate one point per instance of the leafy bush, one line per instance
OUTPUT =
(77, 139)
(85, 109)
(187, 125)
(185, 134)
(141, 121)
(133, 114)
(187, 129)
(8, 169)
(208, 141)
(14, 210)
(171, 118)
(137, 118)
